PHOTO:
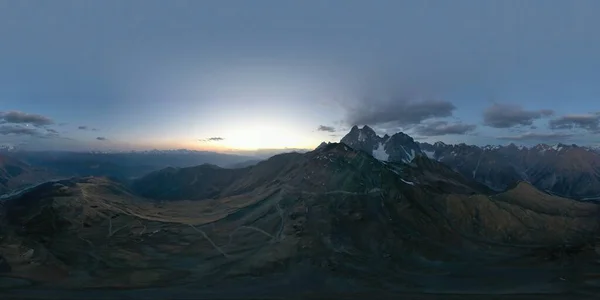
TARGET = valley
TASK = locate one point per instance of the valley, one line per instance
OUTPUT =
(333, 220)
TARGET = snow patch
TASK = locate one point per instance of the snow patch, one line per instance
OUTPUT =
(491, 147)
(477, 167)
(361, 136)
(407, 182)
(380, 153)
(430, 154)
(409, 156)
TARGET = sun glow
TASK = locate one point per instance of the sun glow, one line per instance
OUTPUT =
(262, 137)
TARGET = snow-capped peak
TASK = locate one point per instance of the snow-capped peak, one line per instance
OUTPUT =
(396, 148)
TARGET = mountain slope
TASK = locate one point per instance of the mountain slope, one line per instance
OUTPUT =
(16, 174)
(334, 219)
(566, 170)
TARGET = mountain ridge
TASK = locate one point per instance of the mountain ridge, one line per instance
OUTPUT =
(568, 170)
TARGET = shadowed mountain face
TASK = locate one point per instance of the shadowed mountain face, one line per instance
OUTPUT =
(329, 221)
(15, 174)
(9, 169)
(567, 170)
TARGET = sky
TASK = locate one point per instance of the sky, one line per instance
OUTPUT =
(275, 74)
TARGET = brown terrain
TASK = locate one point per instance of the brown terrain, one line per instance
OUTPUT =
(332, 223)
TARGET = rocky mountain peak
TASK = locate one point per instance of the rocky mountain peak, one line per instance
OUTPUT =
(322, 145)
(364, 139)
(564, 169)
(399, 147)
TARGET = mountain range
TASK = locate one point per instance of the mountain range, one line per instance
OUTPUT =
(23, 168)
(566, 170)
(326, 223)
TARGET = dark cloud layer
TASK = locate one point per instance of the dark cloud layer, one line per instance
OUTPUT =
(19, 123)
(400, 113)
(439, 128)
(52, 133)
(18, 130)
(18, 117)
(533, 136)
(326, 128)
(589, 122)
(101, 138)
(83, 127)
(32, 131)
(508, 115)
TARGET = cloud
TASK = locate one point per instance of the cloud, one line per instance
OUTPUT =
(83, 127)
(509, 115)
(438, 128)
(589, 122)
(212, 139)
(51, 132)
(326, 128)
(400, 113)
(552, 136)
(101, 138)
(17, 117)
(18, 130)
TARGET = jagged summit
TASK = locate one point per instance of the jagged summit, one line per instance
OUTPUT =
(323, 144)
(564, 169)
(399, 147)
(567, 170)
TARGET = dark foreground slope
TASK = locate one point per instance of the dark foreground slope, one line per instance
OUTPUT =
(326, 223)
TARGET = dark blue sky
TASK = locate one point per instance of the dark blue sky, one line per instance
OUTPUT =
(268, 73)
